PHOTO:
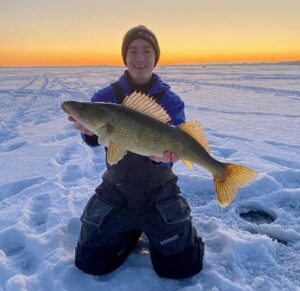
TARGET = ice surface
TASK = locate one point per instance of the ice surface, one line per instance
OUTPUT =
(251, 114)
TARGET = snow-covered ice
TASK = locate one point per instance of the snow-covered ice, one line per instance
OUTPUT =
(251, 114)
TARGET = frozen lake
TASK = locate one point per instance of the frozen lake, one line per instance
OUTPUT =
(251, 115)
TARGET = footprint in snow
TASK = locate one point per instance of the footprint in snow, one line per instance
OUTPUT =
(290, 202)
(224, 152)
(65, 155)
(282, 162)
(72, 173)
(12, 146)
(61, 136)
(71, 234)
(11, 189)
(37, 210)
(288, 178)
(13, 243)
(226, 136)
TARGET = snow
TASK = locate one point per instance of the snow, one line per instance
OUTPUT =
(251, 114)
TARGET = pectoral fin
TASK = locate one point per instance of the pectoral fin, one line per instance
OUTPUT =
(115, 153)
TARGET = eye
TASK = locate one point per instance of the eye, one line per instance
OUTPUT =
(132, 51)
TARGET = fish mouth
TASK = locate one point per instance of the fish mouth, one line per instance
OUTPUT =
(67, 108)
(64, 108)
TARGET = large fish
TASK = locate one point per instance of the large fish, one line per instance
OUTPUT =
(141, 125)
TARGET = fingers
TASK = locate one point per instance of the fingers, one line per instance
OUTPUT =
(79, 126)
(70, 118)
(173, 157)
(169, 157)
(83, 129)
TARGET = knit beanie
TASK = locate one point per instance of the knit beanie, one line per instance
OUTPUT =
(144, 33)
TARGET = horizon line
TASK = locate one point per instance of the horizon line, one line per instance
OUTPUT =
(158, 65)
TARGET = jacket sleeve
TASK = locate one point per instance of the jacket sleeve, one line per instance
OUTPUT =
(104, 95)
(174, 106)
(90, 140)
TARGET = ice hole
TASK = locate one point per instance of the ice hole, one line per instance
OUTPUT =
(257, 216)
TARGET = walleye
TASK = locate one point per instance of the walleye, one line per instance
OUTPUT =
(140, 125)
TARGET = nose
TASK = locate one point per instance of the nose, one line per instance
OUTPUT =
(140, 56)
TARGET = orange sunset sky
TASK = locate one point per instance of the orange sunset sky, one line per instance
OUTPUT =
(89, 32)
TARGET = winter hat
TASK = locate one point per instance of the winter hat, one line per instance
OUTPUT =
(144, 33)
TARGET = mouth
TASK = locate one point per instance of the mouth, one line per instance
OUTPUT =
(140, 67)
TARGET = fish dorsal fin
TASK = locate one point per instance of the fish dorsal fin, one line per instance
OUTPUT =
(195, 130)
(115, 153)
(145, 104)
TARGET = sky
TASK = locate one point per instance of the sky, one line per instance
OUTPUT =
(77, 32)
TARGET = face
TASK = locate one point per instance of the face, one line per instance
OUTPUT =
(140, 59)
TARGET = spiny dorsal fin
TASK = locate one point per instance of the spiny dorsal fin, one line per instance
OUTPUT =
(115, 153)
(195, 130)
(146, 104)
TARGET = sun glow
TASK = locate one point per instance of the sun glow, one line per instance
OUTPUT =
(74, 33)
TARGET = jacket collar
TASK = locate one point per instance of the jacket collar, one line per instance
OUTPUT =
(157, 87)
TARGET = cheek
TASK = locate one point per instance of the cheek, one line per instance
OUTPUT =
(129, 59)
(151, 60)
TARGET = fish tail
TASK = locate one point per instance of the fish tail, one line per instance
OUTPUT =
(233, 177)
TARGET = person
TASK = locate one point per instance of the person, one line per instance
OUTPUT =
(139, 194)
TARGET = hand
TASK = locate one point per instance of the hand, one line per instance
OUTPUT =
(169, 157)
(79, 126)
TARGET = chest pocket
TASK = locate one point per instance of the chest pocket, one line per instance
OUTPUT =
(96, 211)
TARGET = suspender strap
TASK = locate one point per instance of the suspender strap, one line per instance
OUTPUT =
(119, 93)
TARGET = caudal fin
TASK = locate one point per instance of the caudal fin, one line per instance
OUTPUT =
(233, 177)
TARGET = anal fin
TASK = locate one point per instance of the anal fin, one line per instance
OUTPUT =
(115, 153)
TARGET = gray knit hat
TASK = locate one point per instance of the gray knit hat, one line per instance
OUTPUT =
(144, 33)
